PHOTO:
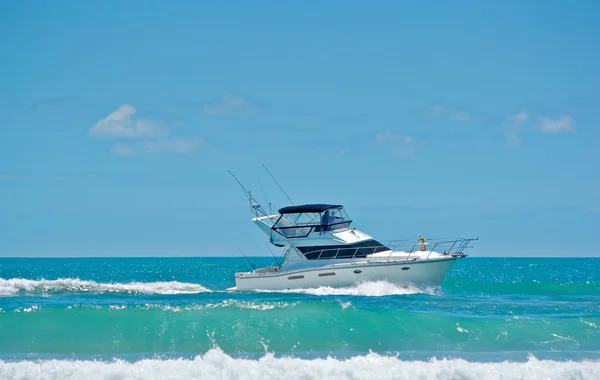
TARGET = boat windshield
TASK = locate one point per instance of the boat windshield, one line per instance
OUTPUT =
(301, 224)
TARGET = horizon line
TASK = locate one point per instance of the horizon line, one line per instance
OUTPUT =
(241, 257)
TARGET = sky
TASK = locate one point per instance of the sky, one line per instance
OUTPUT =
(119, 121)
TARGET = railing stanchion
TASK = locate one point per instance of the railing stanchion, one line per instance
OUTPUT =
(336, 254)
(453, 244)
(319, 258)
(432, 249)
(463, 244)
(411, 251)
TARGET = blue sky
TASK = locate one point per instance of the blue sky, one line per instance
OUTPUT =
(119, 121)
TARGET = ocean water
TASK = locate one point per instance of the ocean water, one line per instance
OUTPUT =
(171, 318)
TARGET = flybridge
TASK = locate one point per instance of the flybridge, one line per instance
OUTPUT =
(296, 221)
(300, 221)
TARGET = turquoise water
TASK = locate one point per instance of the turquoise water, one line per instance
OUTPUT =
(172, 318)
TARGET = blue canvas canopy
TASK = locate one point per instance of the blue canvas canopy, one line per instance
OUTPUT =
(307, 208)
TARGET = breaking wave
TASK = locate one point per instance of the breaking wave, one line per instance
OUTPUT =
(370, 288)
(529, 287)
(22, 286)
(215, 364)
(292, 326)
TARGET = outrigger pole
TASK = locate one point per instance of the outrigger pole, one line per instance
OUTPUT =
(288, 197)
(256, 207)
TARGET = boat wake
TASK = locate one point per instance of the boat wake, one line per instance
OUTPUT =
(215, 364)
(24, 287)
(370, 288)
(28, 287)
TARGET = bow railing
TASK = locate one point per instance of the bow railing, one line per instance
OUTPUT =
(453, 247)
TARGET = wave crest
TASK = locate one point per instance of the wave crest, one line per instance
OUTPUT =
(215, 364)
(22, 286)
(370, 288)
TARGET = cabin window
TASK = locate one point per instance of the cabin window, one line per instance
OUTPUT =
(295, 232)
(326, 274)
(295, 277)
(405, 268)
(358, 271)
(345, 251)
(333, 219)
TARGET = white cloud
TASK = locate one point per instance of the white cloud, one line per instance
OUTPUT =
(564, 123)
(398, 144)
(513, 126)
(152, 135)
(227, 104)
(436, 109)
(174, 145)
(518, 118)
(460, 115)
(121, 123)
(513, 138)
(124, 150)
(384, 136)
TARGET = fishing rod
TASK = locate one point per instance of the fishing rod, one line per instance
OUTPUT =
(272, 254)
(249, 262)
(265, 195)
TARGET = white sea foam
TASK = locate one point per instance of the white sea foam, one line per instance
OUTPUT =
(252, 305)
(371, 288)
(22, 286)
(217, 365)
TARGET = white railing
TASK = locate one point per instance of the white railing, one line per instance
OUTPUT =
(444, 246)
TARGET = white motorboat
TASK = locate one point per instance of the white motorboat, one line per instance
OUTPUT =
(323, 248)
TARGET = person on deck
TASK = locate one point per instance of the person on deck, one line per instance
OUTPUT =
(325, 221)
(421, 241)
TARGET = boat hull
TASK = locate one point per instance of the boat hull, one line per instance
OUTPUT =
(418, 273)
